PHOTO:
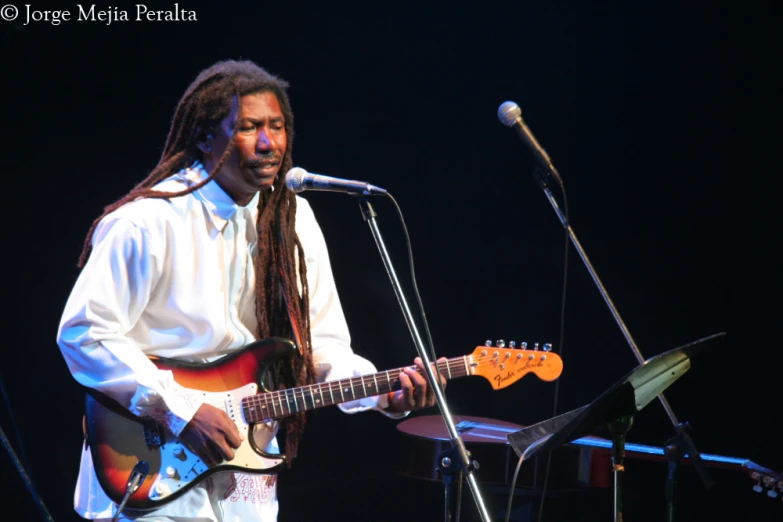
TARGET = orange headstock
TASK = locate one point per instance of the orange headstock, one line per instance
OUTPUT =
(504, 366)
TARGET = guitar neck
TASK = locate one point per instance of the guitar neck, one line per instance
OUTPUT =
(282, 403)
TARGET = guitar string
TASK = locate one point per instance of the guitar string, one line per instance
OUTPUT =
(275, 398)
(346, 384)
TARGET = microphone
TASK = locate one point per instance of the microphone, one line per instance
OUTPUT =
(510, 115)
(298, 180)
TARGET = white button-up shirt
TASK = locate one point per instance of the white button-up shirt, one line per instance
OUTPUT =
(174, 278)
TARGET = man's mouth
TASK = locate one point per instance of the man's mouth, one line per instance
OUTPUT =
(262, 165)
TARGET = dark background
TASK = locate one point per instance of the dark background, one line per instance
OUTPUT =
(644, 111)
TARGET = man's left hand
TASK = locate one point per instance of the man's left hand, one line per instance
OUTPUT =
(416, 392)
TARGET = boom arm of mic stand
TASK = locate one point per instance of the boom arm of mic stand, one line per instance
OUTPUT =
(369, 216)
(542, 182)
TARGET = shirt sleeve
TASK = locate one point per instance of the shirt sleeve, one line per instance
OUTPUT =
(107, 299)
(333, 356)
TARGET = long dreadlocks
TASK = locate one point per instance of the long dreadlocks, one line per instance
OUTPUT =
(206, 102)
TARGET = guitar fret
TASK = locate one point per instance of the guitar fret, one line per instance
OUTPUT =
(330, 393)
(265, 406)
(296, 406)
(341, 390)
(376, 383)
(448, 368)
(388, 380)
(352, 392)
(280, 398)
(321, 392)
(364, 389)
(467, 369)
(312, 397)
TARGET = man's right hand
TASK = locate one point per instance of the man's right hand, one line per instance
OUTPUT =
(212, 435)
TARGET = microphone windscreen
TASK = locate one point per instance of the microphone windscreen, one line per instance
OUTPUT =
(294, 179)
(508, 112)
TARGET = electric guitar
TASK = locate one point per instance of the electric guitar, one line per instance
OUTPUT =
(119, 440)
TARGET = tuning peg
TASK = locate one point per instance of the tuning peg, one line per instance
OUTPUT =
(487, 343)
(547, 347)
(535, 346)
(500, 343)
(523, 345)
(772, 493)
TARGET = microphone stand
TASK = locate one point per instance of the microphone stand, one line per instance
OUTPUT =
(457, 458)
(680, 444)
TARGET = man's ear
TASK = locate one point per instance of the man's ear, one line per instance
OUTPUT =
(204, 141)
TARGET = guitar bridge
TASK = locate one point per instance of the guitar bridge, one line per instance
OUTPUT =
(154, 434)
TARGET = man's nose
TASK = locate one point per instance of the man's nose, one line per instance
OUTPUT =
(263, 142)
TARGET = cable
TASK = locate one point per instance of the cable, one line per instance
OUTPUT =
(561, 346)
(413, 277)
(513, 485)
(516, 472)
(425, 324)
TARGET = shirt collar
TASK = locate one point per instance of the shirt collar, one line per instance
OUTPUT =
(220, 207)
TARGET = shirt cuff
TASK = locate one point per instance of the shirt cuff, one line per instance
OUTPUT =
(174, 408)
(383, 404)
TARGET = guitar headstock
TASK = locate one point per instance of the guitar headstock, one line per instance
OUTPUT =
(766, 479)
(503, 365)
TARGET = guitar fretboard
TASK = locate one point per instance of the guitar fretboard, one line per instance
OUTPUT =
(282, 403)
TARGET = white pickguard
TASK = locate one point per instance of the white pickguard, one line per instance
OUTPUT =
(180, 466)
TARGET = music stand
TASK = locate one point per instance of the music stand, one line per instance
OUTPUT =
(615, 407)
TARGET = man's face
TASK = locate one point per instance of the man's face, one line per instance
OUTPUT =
(258, 151)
